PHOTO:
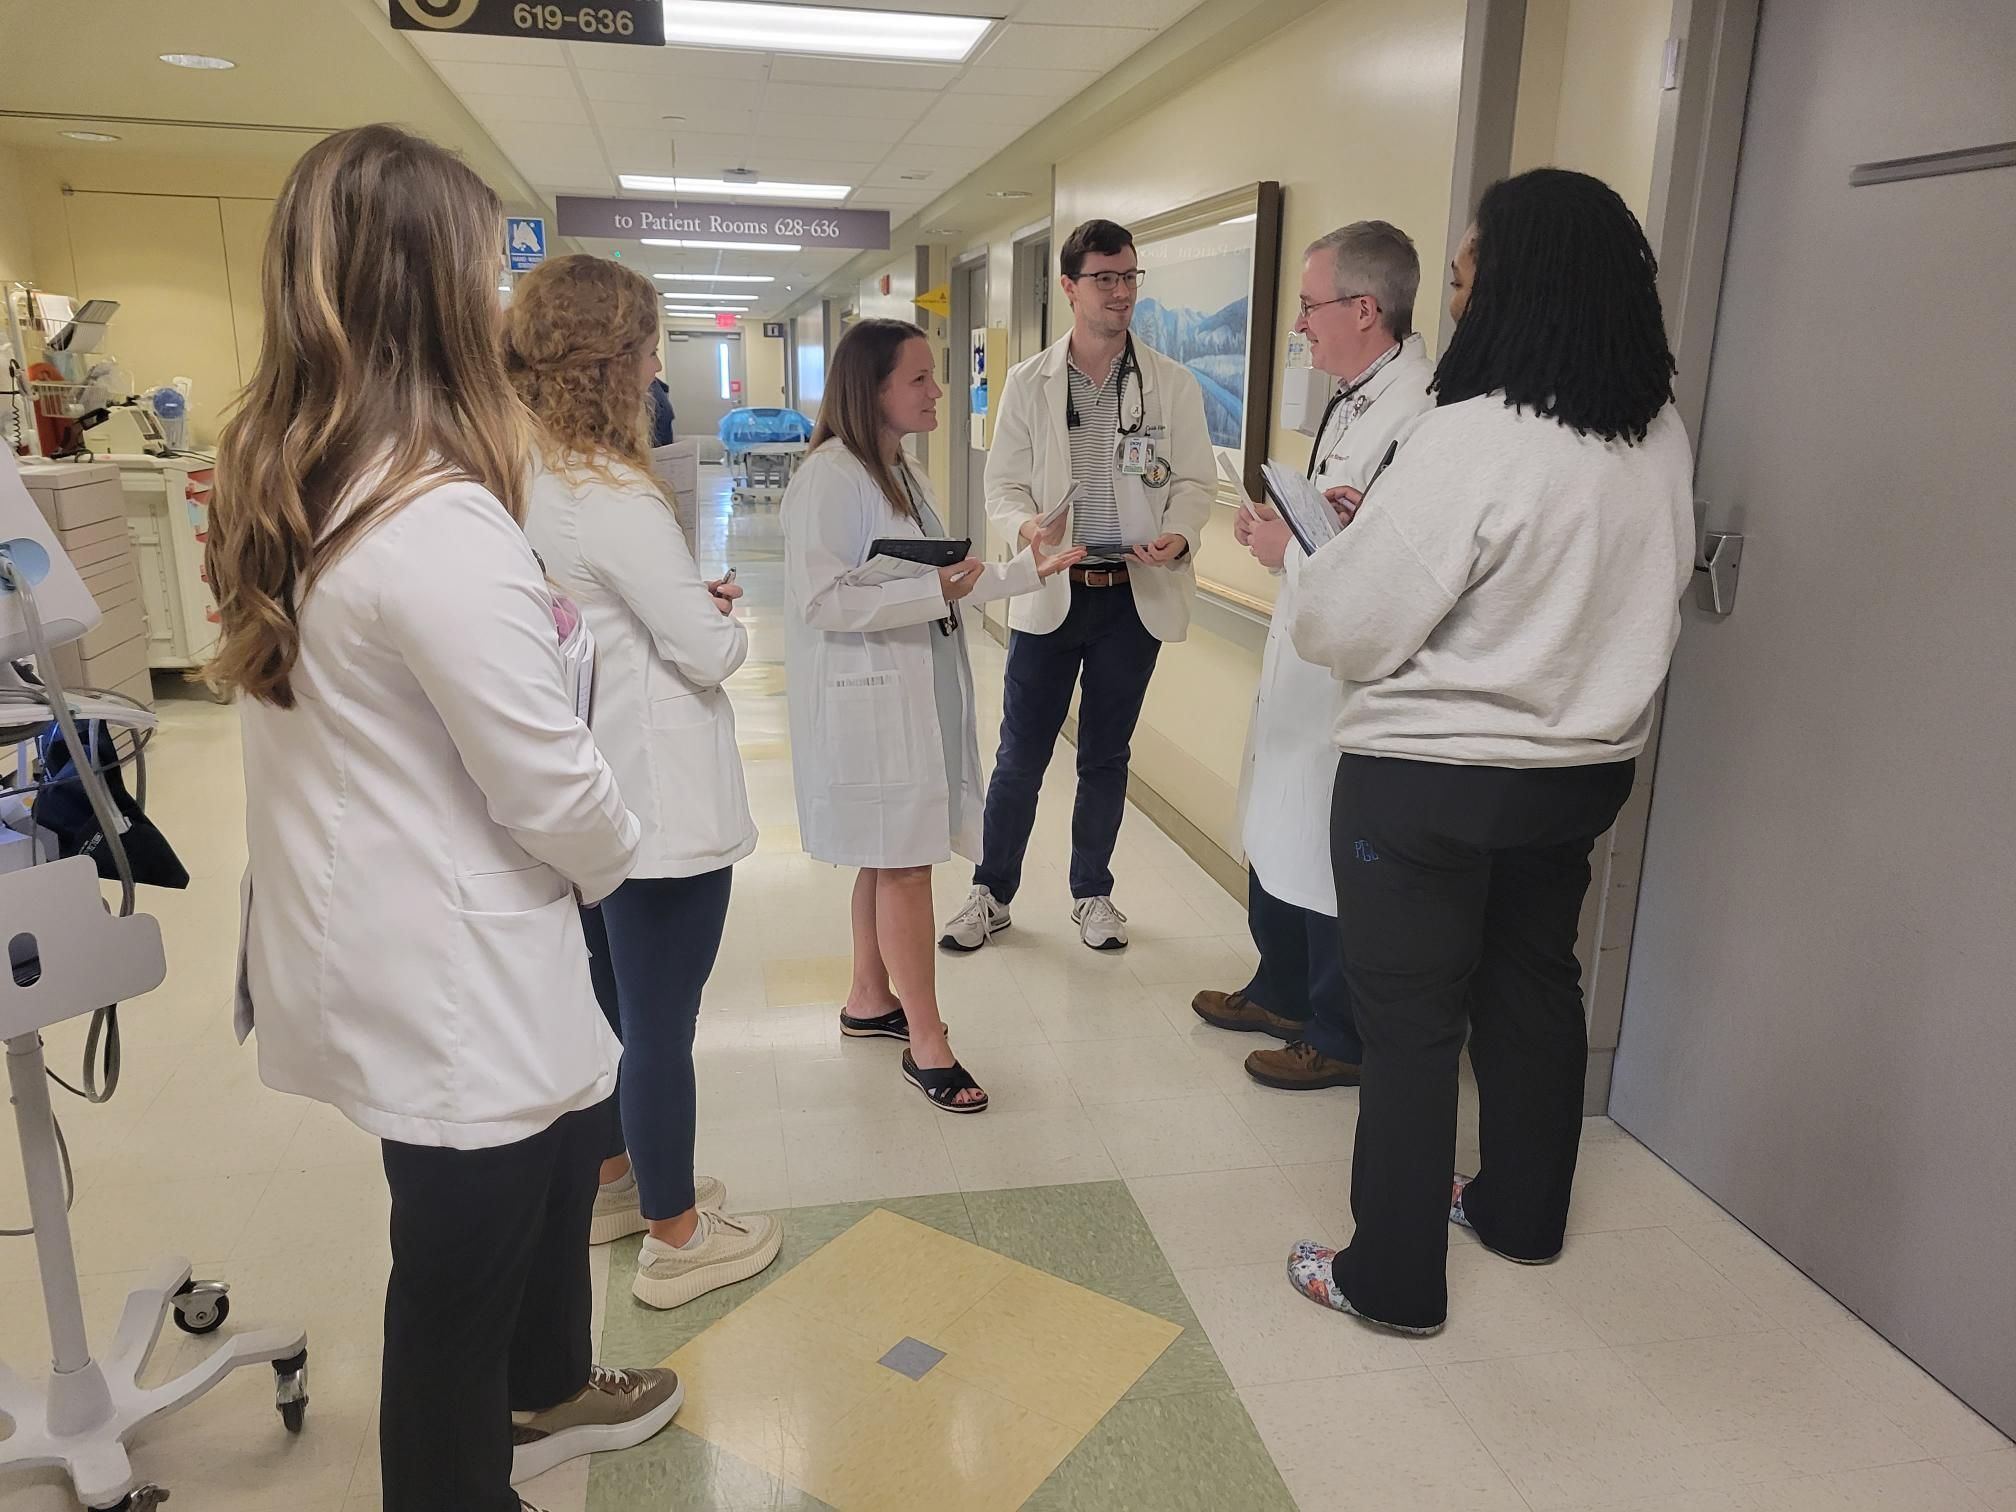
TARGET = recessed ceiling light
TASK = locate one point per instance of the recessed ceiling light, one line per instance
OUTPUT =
(908, 35)
(1007, 194)
(658, 241)
(715, 278)
(196, 60)
(772, 188)
(89, 136)
(710, 294)
(914, 178)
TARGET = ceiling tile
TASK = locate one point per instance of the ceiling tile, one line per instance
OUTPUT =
(507, 78)
(945, 163)
(859, 73)
(1050, 83)
(547, 138)
(669, 62)
(1154, 14)
(649, 117)
(441, 48)
(1075, 47)
(854, 131)
(1007, 112)
(504, 110)
(903, 105)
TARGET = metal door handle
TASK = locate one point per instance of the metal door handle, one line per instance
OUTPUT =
(1720, 563)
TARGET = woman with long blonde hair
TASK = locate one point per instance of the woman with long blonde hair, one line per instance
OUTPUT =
(581, 344)
(422, 805)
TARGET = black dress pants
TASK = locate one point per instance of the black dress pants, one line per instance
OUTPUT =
(1459, 890)
(488, 1308)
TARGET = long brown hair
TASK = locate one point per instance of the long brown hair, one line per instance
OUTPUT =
(852, 407)
(574, 338)
(379, 375)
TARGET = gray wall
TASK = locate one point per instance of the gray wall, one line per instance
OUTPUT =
(694, 380)
(1819, 1028)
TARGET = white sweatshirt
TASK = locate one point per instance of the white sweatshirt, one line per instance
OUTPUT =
(1509, 595)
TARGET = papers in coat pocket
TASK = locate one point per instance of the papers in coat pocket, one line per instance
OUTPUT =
(1310, 518)
(1053, 517)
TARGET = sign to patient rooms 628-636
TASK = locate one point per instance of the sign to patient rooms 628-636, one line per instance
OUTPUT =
(641, 220)
(635, 21)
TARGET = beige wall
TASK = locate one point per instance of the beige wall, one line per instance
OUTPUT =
(900, 304)
(177, 241)
(764, 362)
(17, 256)
(1589, 90)
(1353, 110)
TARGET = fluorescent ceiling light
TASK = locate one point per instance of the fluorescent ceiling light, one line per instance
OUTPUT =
(825, 31)
(196, 60)
(89, 136)
(659, 241)
(686, 298)
(704, 310)
(765, 188)
(715, 277)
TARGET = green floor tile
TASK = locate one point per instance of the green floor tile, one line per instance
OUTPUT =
(1194, 1453)
(1084, 1233)
(679, 1472)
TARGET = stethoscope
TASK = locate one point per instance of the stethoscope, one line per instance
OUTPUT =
(1128, 364)
(1316, 453)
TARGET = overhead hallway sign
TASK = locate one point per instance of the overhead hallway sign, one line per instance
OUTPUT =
(722, 224)
(638, 22)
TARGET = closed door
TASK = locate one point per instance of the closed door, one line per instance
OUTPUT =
(702, 372)
(968, 516)
(1819, 1027)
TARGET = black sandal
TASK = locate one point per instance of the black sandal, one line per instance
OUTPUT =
(890, 1025)
(943, 1085)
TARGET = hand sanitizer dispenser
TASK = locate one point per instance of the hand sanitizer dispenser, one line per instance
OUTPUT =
(1304, 391)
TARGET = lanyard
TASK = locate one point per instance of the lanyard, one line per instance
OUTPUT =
(1128, 363)
(950, 624)
(1316, 447)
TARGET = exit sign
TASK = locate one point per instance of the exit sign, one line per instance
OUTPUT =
(640, 23)
(725, 320)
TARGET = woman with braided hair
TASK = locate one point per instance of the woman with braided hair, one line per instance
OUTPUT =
(1500, 612)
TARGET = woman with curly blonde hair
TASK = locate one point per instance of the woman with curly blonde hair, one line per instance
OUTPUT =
(581, 344)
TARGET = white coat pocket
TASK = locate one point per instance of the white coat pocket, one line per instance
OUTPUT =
(518, 890)
(867, 745)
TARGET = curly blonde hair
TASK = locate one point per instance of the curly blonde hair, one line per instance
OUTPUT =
(574, 338)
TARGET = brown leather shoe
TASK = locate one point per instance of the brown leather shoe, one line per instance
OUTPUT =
(1239, 1013)
(1299, 1067)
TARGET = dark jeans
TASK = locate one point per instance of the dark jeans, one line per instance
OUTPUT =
(1459, 890)
(487, 1310)
(1102, 638)
(651, 947)
(1301, 971)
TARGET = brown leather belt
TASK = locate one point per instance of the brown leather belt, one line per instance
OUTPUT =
(1114, 576)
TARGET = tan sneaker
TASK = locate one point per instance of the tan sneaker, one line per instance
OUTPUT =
(617, 1215)
(1299, 1067)
(617, 1409)
(732, 1249)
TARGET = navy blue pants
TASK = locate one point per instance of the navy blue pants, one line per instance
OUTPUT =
(1301, 971)
(1102, 641)
(651, 948)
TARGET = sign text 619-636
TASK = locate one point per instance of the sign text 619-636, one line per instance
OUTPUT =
(641, 22)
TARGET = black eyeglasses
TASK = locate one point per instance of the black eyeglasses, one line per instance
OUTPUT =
(1340, 299)
(1108, 281)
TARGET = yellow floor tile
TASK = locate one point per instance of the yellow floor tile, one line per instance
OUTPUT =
(813, 979)
(791, 1381)
(888, 1278)
(934, 1443)
(1052, 1347)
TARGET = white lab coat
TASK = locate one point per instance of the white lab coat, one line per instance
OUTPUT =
(411, 950)
(867, 755)
(662, 651)
(1029, 470)
(1291, 759)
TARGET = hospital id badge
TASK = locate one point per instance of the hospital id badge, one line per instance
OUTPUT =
(1137, 454)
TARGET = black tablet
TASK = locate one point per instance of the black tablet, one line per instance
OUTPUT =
(933, 551)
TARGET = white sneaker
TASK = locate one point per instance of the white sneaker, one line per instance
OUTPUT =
(617, 1215)
(978, 922)
(1100, 924)
(731, 1249)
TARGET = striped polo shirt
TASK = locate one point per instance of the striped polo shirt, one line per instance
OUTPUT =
(1095, 518)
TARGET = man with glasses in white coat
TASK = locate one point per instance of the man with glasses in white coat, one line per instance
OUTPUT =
(1126, 425)
(1357, 311)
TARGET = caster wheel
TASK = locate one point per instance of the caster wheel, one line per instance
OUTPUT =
(290, 1390)
(145, 1499)
(201, 1309)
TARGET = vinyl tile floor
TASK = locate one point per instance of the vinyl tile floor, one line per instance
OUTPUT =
(1108, 1241)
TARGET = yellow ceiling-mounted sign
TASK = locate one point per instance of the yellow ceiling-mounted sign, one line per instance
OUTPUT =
(938, 301)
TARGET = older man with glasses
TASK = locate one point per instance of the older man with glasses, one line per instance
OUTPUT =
(1357, 311)
(1113, 433)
